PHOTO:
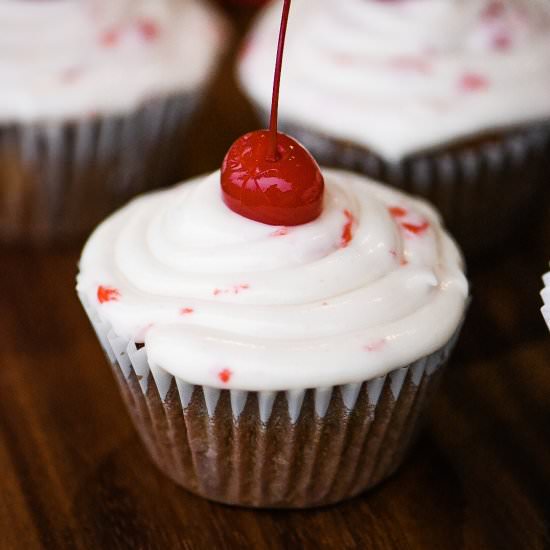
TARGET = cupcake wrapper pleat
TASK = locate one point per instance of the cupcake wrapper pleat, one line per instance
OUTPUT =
(57, 180)
(483, 188)
(295, 448)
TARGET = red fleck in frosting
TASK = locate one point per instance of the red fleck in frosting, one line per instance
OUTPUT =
(347, 234)
(281, 232)
(148, 28)
(410, 222)
(376, 345)
(400, 77)
(494, 9)
(225, 375)
(374, 282)
(417, 229)
(473, 82)
(109, 38)
(234, 289)
(107, 294)
(397, 211)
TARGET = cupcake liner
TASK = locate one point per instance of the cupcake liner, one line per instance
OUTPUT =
(290, 449)
(483, 188)
(545, 293)
(58, 180)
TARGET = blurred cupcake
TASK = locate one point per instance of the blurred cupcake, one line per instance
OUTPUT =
(545, 293)
(93, 100)
(275, 366)
(448, 100)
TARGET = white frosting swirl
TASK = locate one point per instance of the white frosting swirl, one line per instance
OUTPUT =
(62, 59)
(224, 301)
(405, 75)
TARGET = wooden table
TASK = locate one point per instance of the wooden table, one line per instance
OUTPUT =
(74, 475)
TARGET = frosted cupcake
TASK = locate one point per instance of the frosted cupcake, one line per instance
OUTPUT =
(448, 100)
(93, 100)
(275, 366)
(275, 331)
(545, 293)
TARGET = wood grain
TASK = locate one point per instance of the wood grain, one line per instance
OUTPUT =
(74, 474)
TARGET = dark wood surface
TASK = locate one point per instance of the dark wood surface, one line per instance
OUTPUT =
(74, 475)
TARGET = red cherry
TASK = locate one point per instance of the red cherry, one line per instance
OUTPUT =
(269, 177)
(287, 191)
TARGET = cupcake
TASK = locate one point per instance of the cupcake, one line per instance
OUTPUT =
(545, 293)
(275, 331)
(94, 98)
(275, 366)
(448, 100)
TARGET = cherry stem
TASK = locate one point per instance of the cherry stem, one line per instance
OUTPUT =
(274, 154)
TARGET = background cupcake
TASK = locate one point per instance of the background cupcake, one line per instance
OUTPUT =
(445, 99)
(275, 366)
(93, 100)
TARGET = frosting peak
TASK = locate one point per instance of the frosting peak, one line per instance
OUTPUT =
(372, 284)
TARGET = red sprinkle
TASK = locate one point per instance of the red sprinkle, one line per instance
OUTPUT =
(377, 345)
(402, 260)
(148, 29)
(494, 9)
(238, 288)
(281, 232)
(233, 290)
(502, 42)
(347, 234)
(397, 211)
(109, 38)
(416, 229)
(225, 375)
(473, 82)
(107, 294)
(186, 310)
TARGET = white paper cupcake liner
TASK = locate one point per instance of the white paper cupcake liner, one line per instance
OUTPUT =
(545, 294)
(296, 448)
(58, 180)
(484, 190)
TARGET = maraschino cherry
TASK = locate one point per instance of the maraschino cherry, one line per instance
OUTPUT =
(268, 176)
